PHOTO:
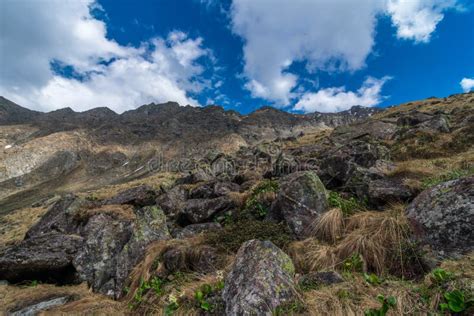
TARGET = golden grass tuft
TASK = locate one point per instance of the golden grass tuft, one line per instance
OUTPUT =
(311, 255)
(329, 226)
(377, 236)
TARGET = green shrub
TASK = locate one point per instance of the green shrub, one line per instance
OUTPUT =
(231, 237)
(256, 205)
(441, 276)
(353, 264)
(372, 279)
(203, 294)
(348, 206)
(455, 302)
(387, 303)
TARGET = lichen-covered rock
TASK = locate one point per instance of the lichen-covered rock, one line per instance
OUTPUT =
(383, 191)
(47, 258)
(261, 279)
(173, 200)
(114, 246)
(97, 261)
(59, 218)
(443, 216)
(139, 196)
(202, 210)
(195, 229)
(300, 200)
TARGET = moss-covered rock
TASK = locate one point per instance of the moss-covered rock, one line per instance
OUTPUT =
(300, 201)
(443, 216)
(261, 279)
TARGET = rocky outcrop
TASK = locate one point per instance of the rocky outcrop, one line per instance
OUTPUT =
(202, 210)
(301, 199)
(260, 280)
(195, 229)
(139, 196)
(443, 216)
(115, 245)
(77, 241)
(46, 258)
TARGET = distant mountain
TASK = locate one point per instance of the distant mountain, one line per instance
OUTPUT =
(12, 113)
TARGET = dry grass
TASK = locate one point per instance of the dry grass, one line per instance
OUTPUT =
(14, 225)
(311, 255)
(355, 296)
(381, 239)
(239, 198)
(86, 302)
(115, 211)
(156, 181)
(414, 171)
(377, 237)
(329, 226)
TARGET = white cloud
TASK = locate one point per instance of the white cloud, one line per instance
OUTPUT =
(277, 33)
(417, 19)
(327, 35)
(338, 99)
(467, 84)
(34, 33)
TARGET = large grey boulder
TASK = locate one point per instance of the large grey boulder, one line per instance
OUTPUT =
(114, 246)
(97, 244)
(301, 199)
(47, 258)
(443, 216)
(261, 279)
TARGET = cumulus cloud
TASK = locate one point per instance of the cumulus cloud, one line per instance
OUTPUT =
(36, 33)
(338, 99)
(417, 19)
(467, 84)
(325, 35)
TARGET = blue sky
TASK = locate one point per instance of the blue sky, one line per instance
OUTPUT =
(300, 56)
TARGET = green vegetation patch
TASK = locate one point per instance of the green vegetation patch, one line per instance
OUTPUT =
(451, 175)
(259, 201)
(231, 237)
(348, 206)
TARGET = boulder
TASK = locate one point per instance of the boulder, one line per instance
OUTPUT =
(202, 210)
(195, 229)
(140, 196)
(114, 246)
(173, 200)
(97, 261)
(443, 217)
(337, 167)
(260, 280)
(315, 279)
(59, 217)
(301, 199)
(209, 190)
(46, 258)
(383, 191)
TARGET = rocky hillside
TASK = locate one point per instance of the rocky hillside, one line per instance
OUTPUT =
(200, 211)
(44, 153)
